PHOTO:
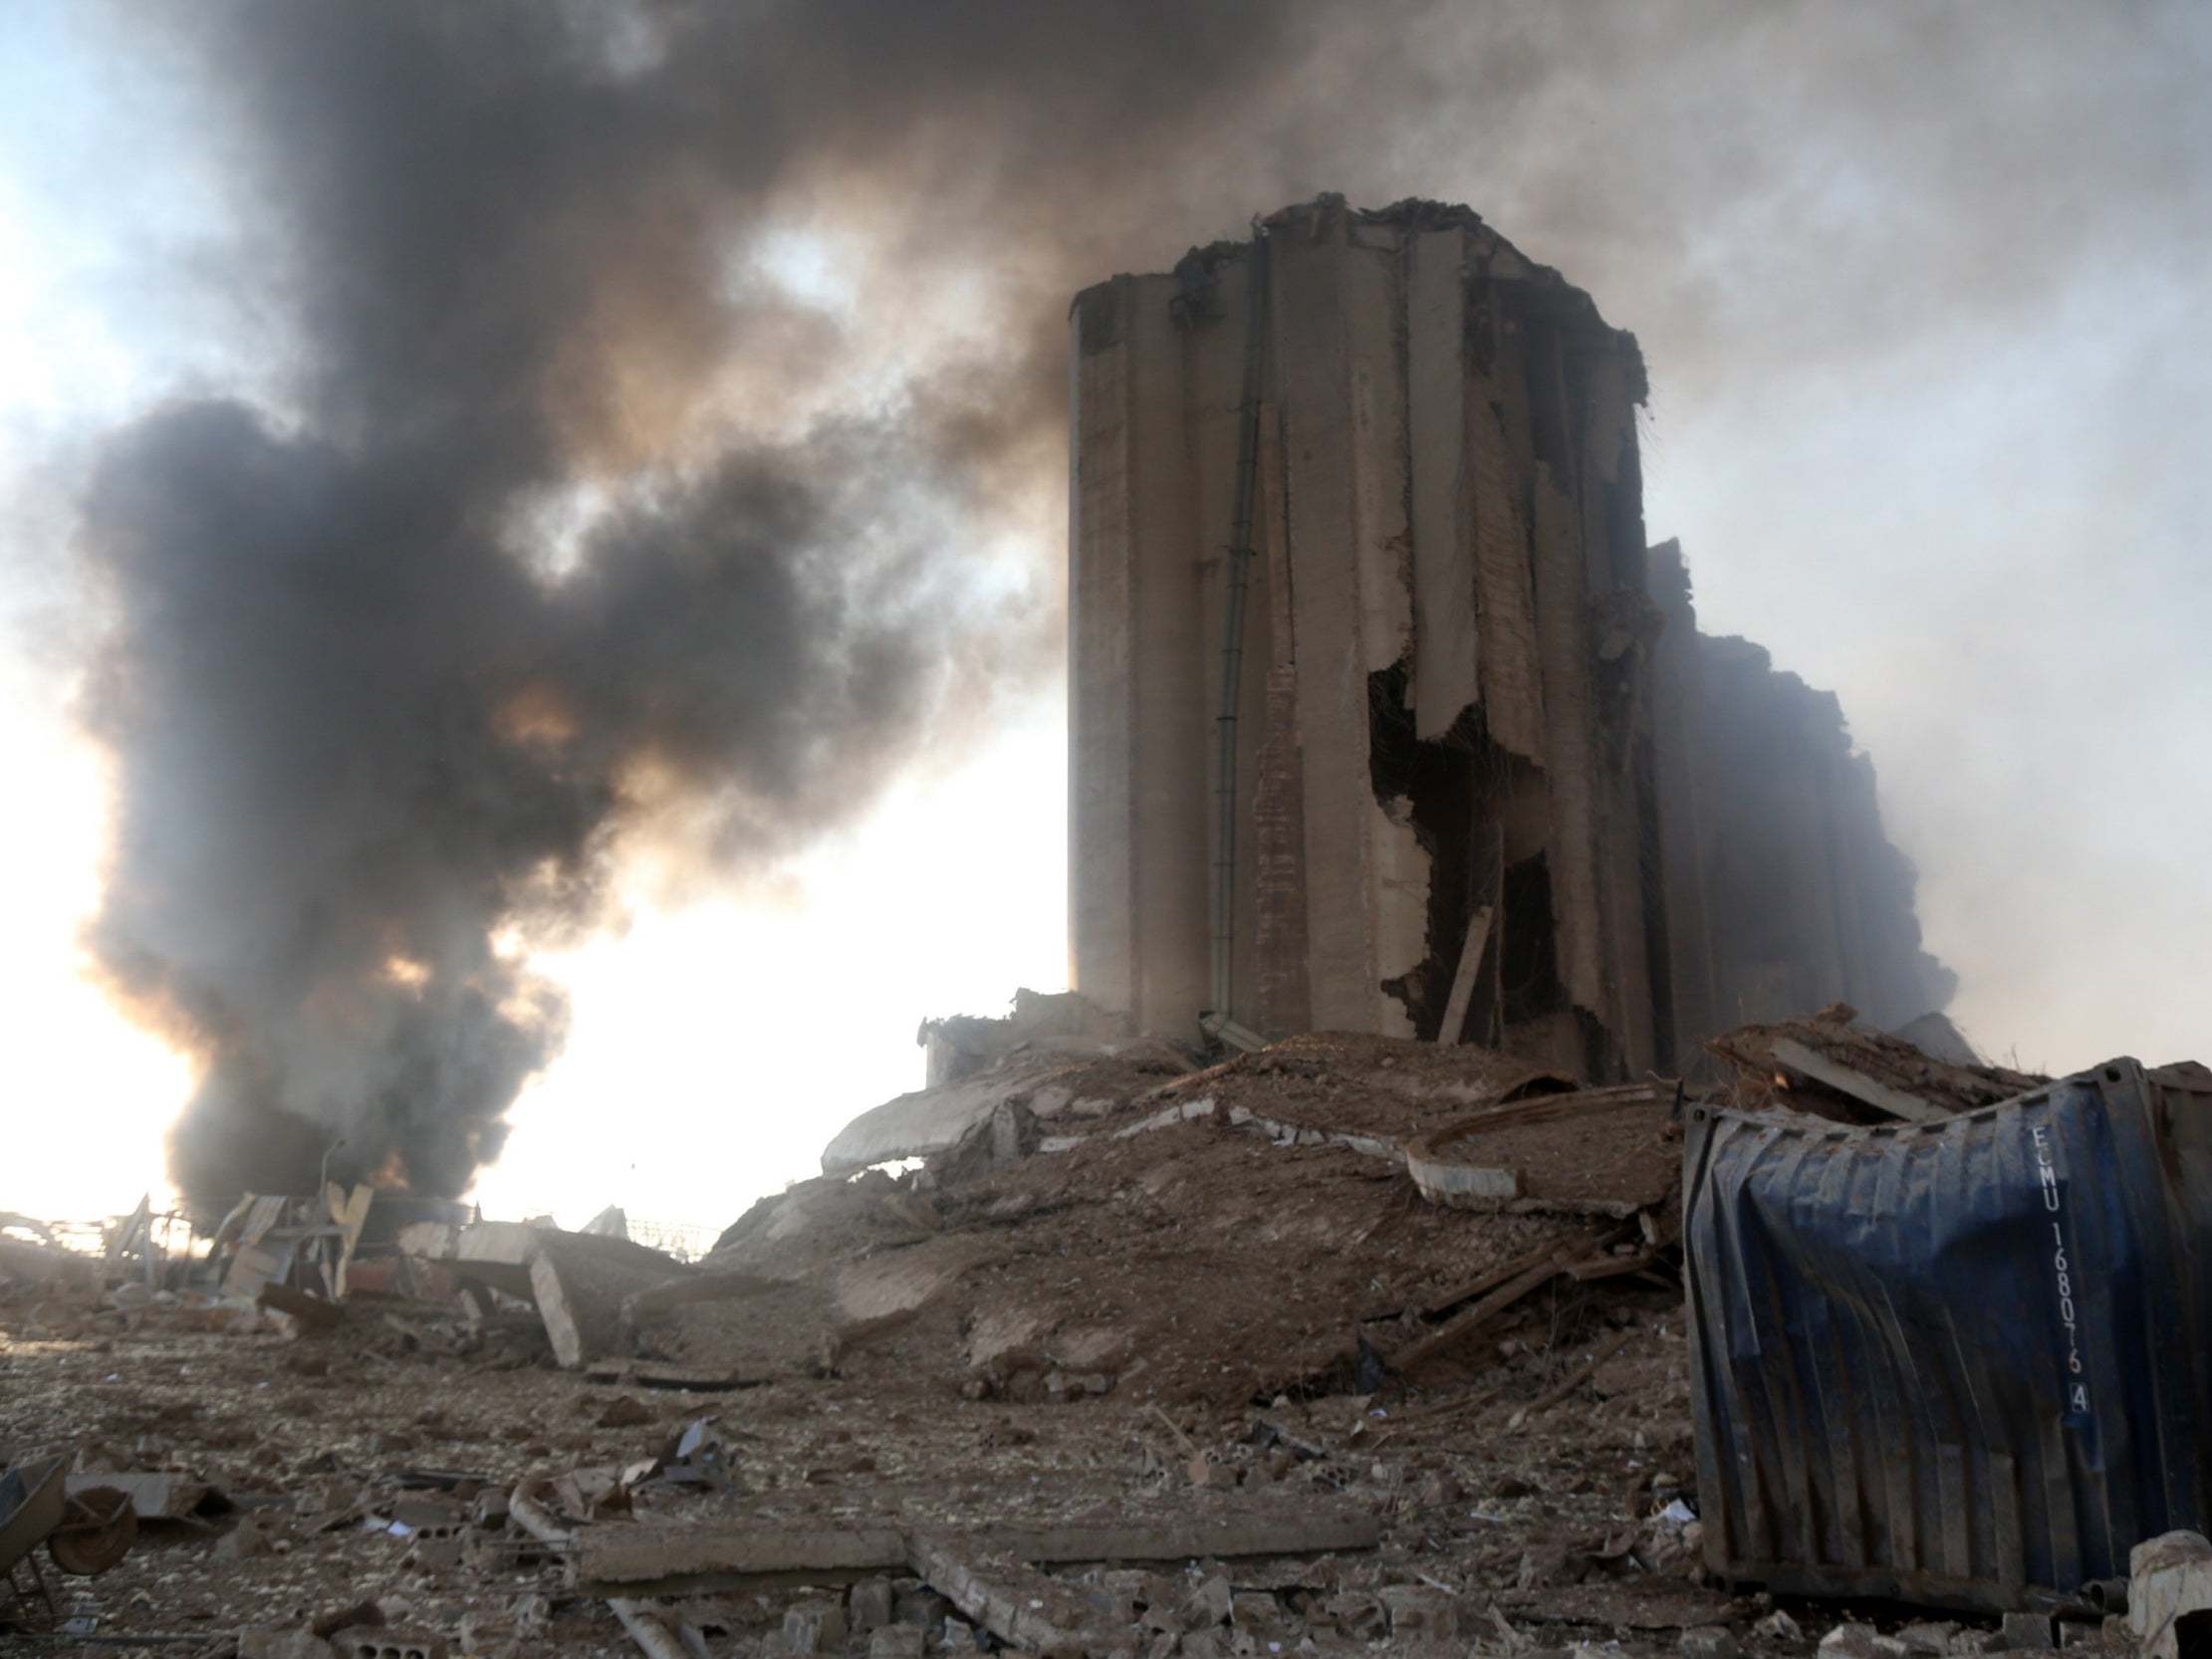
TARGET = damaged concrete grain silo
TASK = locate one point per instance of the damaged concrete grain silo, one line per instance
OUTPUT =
(1372, 724)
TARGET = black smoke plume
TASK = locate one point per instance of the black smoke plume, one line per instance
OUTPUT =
(558, 520)
(557, 517)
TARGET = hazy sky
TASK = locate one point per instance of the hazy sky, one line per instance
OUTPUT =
(1923, 295)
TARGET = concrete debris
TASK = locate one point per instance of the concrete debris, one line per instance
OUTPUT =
(1859, 1641)
(1040, 1080)
(2169, 1595)
(964, 1044)
(578, 1282)
(1605, 1152)
(1221, 1381)
(1834, 1065)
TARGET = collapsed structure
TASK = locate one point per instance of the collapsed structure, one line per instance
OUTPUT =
(1460, 1326)
(1383, 718)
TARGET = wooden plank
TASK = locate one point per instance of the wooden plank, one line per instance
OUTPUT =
(1574, 1380)
(1484, 1284)
(1463, 982)
(1799, 1058)
(1489, 1308)
(734, 1557)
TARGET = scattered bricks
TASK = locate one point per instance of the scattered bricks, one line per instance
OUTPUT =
(391, 1644)
(435, 1554)
(869, 1604)
(1708, 1641)
(814, 1627)
(428, 1517)
(2028, 1631)
(1416, 1610)
(1209, 1604)
(896, 1641)
(2169, 1595)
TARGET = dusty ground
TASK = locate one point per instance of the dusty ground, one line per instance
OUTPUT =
(1539, 1535)
(1189, 1321)
(305, 1458)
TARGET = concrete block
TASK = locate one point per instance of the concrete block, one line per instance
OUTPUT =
(1209, 1604)
(814, 1627)
(1255, 1610)
(375, 1643)
(919, 1605)
(1708, 1641)
(2169, 1595)
(1417, 1611)
(869, 1604)
(2029, 1632)
(896, 1641)
(1859, 1641)
(254, 1643)
(1928, 1637)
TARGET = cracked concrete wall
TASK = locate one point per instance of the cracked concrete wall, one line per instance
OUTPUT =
(1438, 659)
(1803, 900)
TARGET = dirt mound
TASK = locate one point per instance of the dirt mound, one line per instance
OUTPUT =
(1229, 1234)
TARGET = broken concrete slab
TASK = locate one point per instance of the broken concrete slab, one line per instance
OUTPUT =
(1046, 1081)
(675, 1561)
(580, 1283)
(2169, 1595)
(1834, 1065)
(1023, 1607)
(669, 1560)
(962, 1045)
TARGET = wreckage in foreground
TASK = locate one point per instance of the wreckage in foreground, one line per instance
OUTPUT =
(1349, 1341)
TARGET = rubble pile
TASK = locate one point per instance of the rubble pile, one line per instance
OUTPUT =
(1351, 1345)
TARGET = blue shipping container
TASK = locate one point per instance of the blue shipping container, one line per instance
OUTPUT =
(1960, 1362)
